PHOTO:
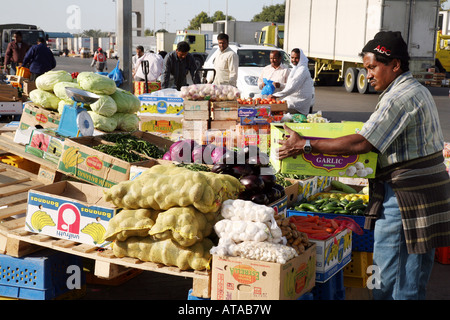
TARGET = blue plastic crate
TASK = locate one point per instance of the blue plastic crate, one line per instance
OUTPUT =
(39, 276)
(333, 289)
(362, 243)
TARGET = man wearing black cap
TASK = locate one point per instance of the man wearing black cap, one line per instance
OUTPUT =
(409, 206)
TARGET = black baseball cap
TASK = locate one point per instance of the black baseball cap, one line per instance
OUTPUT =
(389, 44)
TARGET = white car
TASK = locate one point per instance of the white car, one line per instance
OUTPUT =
(252, 60)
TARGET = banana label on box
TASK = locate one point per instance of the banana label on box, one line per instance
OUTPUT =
(68, 220)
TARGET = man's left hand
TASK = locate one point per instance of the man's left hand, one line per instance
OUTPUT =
(292, 146)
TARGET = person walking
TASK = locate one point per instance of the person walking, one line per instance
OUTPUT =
(40, 59)
(276, 72)
(15, 53)
(299, 90)
(226, 63)
(178, 64)
(409, 207)
(100, 61)
(139, 53)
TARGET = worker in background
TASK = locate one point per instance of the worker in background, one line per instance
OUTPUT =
(409, 206)
(99, 61)
(179, 64)
(155, 63)
(299, 89)
(40, 59)
(15, 53)
(139, 53)
(226, 63)
(276, 72)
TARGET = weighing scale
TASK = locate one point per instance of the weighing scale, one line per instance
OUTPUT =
(75, 120)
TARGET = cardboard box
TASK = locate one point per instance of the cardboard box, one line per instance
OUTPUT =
(46, 144)
(224, 110)
(8, 93)
(319, 164)
(158, 105)
(223, 124)
(193, 125)
(157, 124)
(36, 116)
(139, 87)
(332, 255)
(69, 210)
(80, 160)
(28, 86)
(236, 278)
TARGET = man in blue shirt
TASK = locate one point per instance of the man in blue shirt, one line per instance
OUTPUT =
(40, 58)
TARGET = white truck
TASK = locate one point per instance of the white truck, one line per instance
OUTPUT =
(332, 33)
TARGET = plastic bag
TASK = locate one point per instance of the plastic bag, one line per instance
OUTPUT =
(116, 75)
(269, 88)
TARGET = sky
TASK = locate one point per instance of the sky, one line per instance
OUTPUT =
(173, 15)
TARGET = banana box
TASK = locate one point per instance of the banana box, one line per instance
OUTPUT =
(236, 278)
(46, 144)
(70, 210)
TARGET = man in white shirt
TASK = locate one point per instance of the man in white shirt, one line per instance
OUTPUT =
(139, 53)
(226, 63)
(299, 89)
(155, 67)
(276, 72)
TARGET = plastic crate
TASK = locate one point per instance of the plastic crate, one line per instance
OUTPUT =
(362, 243)
(39, 276)
(333, 289)
(20, 163)
(442, 255)
(358, 264)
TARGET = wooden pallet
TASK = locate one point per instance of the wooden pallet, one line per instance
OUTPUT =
(17, 242)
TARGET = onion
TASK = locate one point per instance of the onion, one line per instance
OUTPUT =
(217, 154)
(167, 156)
(182, 152)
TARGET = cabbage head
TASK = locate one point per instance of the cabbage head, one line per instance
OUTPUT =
(96, 83)
(102, 123)
(127, 122)
(45, 99)
(60, 89)
(105, 106)
(126, 101)
(49, 79)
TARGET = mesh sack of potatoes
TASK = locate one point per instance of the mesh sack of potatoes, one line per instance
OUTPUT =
(167, 252)
(186, 225)
(131, 223)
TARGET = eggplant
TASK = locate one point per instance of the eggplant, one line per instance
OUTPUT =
(259, 160)
(245, 195)
(269, 181)
(230, 158)
(273, 194)
(252, 183)
(260, 199)
(242, 170)
(281, 188)
(219, 168)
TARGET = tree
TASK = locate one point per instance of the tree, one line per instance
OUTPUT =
(93, 33)
(197, 21)
(273, 13)
(203, 17)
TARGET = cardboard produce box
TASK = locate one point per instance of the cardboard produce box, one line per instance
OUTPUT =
(163, 125)
(80, 160)
(70, 210)
(11, 108)
(157, 104)
(236, 278)
(362, 166)
(46, 144)
(139, 87)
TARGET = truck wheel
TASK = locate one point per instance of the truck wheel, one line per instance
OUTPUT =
(362, 83)
(351, 74)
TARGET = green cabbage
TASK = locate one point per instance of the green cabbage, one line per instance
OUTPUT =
(60, 89)
(96, 83)
(127, 122)
(126, 101)
(45, 99)
(105, 124)
(48, 80)
(105, 106)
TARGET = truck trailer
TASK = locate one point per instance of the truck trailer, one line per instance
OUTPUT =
(332, 33)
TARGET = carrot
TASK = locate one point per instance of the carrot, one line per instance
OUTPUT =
(334, 224)
(310, 231)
